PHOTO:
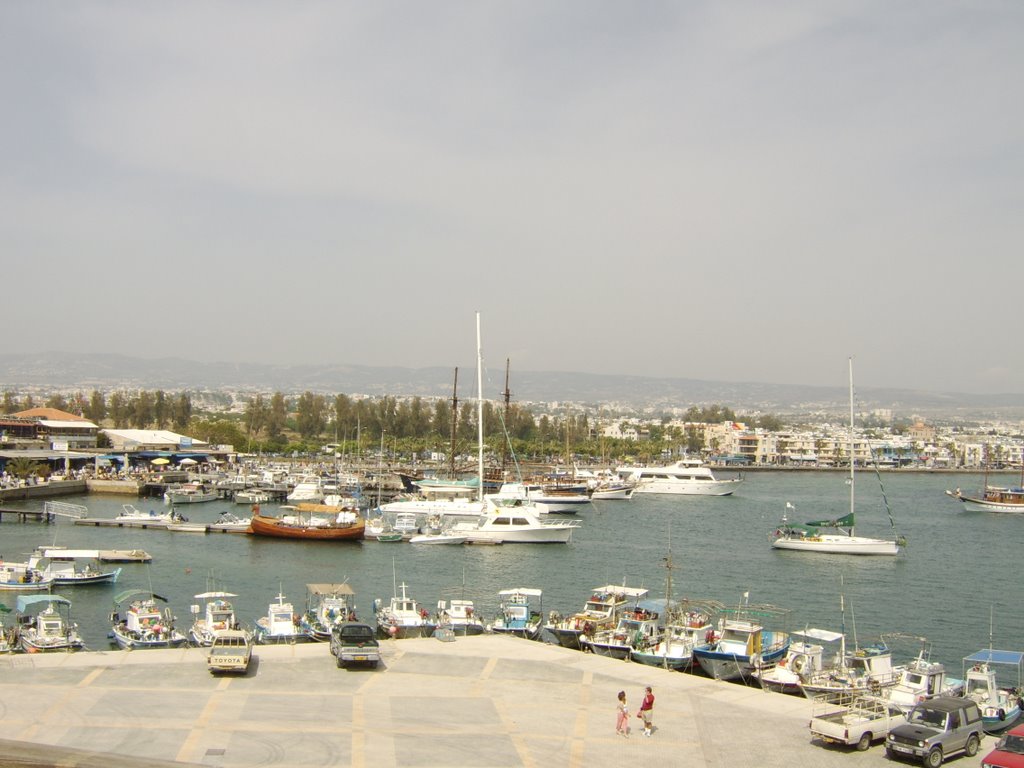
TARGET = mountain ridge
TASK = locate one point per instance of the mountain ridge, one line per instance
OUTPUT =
(107, 371)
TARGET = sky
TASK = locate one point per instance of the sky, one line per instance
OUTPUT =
(727, 191)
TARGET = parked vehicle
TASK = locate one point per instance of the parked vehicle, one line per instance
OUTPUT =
(355, 643)
(231, 651)
(855, 719)
(1009, 751)
(936, 729)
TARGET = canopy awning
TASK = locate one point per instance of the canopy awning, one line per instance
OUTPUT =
(24, 601)
(522, 591)
(990, 656)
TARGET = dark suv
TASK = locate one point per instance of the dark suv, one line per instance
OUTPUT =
(936, 729)
(353, 642)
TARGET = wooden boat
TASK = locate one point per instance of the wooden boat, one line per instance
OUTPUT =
(518, 616)
(48, 630)
(327, 606)
(311, 524)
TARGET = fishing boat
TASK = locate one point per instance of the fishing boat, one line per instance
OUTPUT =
(685, 629)
(23, 577)
(601, 611)
(217, 615)
(844, 541)
(64, 568)
(805, 658)
(403, 617)
(143, 624)
(49, 629)
(741, 644)
(460, 616)
(1000, 705)
(280, 625)
(520, 614)
(311, 522)
(638, 628)
(327, 606)
(867, 669)
(922, 679)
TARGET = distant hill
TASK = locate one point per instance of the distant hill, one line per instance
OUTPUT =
(66, 370)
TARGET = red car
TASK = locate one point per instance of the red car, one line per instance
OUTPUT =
(1009, 752)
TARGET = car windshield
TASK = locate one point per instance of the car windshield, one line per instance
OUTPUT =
(928, 717)
(1013, 744)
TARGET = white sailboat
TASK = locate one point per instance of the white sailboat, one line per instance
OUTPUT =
(844, 541)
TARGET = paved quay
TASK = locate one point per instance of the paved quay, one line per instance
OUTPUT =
(479, 701)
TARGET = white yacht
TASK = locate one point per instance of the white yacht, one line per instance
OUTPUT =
(514, 521)
(686, 477)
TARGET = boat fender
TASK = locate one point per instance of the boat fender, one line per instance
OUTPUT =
(1001, 714)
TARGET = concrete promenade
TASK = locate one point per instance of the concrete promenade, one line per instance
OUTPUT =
(481, 701)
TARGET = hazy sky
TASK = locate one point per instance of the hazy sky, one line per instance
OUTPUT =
(739, 191)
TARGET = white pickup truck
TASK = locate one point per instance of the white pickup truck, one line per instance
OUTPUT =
(230, 652)
(854, 719)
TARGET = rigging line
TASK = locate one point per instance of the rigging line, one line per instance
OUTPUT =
(881, 485)
(511, 449)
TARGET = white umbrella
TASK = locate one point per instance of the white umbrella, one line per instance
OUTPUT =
(188, 461)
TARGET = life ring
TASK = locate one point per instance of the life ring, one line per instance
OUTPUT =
(799, 662)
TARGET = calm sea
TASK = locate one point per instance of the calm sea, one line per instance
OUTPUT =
(941, 589)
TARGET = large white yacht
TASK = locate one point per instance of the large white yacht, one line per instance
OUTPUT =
(685, 477)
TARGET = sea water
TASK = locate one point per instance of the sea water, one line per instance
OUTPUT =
(959, 568)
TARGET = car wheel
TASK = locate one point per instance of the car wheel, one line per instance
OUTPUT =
(973, 743)
(934, 758)
(373, 664)
(864, 741)
(890, 753)
(340, 662)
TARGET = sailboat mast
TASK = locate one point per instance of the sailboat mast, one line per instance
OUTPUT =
(479, 410)
(455, 424)
(508, 407)
(851, 444)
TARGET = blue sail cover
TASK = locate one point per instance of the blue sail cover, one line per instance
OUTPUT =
(995, 657)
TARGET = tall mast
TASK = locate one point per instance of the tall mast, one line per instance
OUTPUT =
(851, 443)
(455, 423)
(479, 410)
(508, 407)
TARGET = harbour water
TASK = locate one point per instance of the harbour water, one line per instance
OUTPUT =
(959, 567)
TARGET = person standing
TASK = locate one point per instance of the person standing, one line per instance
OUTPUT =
(622, 720)
(647, 710)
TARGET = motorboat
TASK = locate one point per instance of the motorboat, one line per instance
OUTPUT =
(131, 514)
(280, 625)
(922, 679)
(444, 537)
(327, 606)
(217, 615)
(687, 477)
(308, 490)
(403, 617)
(231, 523)
(514, 521)
(143, 624)
(601, 611)
(49, 629)
(190, 493)
(521, 613)
(866, 669)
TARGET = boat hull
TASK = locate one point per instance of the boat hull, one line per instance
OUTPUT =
(838, 545)
(271, 526)
(696, 488)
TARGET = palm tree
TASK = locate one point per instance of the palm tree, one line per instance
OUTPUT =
(24, 468)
